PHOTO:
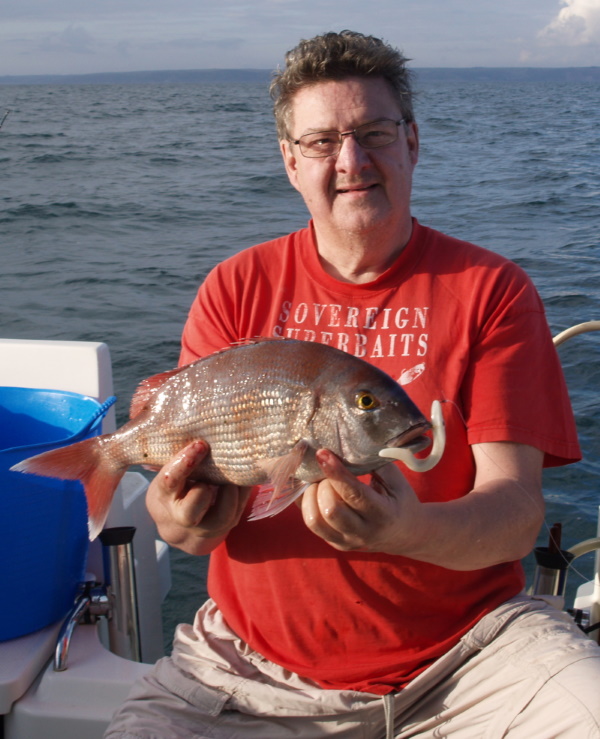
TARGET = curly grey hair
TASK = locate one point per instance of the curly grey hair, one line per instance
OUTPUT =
(336, 56)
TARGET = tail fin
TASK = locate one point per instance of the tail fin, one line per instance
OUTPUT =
(83, 461)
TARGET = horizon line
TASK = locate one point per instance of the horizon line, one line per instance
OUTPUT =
(257, 72)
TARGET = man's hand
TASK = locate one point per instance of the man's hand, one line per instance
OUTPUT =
(192, 516)
(353, 516)
(498, 521)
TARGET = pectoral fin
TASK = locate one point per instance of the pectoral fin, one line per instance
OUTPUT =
(283, 488)
(268, 503)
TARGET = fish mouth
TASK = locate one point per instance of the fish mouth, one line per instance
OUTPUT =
(413, 438)
(404, 446)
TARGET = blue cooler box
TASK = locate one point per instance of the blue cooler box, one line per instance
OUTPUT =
(43, 521)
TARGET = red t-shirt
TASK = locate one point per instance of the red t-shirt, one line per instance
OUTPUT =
(448, 320)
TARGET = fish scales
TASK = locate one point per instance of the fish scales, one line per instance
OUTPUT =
(263, 407)
(241, 419)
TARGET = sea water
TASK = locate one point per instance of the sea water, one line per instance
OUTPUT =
(116, 200)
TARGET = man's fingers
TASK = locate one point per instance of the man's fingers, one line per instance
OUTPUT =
(227, 506)
(193, 504)
(317, 518)
(343, 483)
(387, 479)
(174, 475)
(331, 465)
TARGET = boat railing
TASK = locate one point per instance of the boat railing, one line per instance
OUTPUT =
(553, 562)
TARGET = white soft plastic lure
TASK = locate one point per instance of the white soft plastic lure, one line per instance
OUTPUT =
(439, 443)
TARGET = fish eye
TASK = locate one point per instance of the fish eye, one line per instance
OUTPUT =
(366, 401)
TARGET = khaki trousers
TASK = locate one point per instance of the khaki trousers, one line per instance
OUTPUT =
(524, 672)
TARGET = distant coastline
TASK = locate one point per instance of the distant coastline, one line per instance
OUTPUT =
(497, 74)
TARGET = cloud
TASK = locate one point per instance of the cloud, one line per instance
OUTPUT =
(67, 36)
(577, 24)
(72, 39)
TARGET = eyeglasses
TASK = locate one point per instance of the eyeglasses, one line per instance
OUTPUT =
(369, 136)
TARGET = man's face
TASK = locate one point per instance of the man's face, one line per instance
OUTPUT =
(362, 191)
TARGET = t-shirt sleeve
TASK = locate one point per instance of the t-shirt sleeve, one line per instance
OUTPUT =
(239, 299)
(209, 326)
(515, 389)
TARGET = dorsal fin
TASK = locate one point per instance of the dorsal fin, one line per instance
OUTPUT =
(148, 388)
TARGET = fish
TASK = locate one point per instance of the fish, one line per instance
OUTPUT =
(264, 407)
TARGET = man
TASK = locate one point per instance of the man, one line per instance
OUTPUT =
(375, 610)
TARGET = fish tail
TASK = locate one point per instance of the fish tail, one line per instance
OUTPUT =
(84, 461)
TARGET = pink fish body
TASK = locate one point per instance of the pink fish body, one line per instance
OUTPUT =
(264, 407)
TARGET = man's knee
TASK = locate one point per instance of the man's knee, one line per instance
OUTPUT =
(567, 705)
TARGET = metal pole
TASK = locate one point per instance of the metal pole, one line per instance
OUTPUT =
(552, 564)
(119, 576)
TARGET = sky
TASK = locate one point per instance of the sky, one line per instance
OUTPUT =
(87, 36)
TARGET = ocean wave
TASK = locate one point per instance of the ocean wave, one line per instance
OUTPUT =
(118, 200)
